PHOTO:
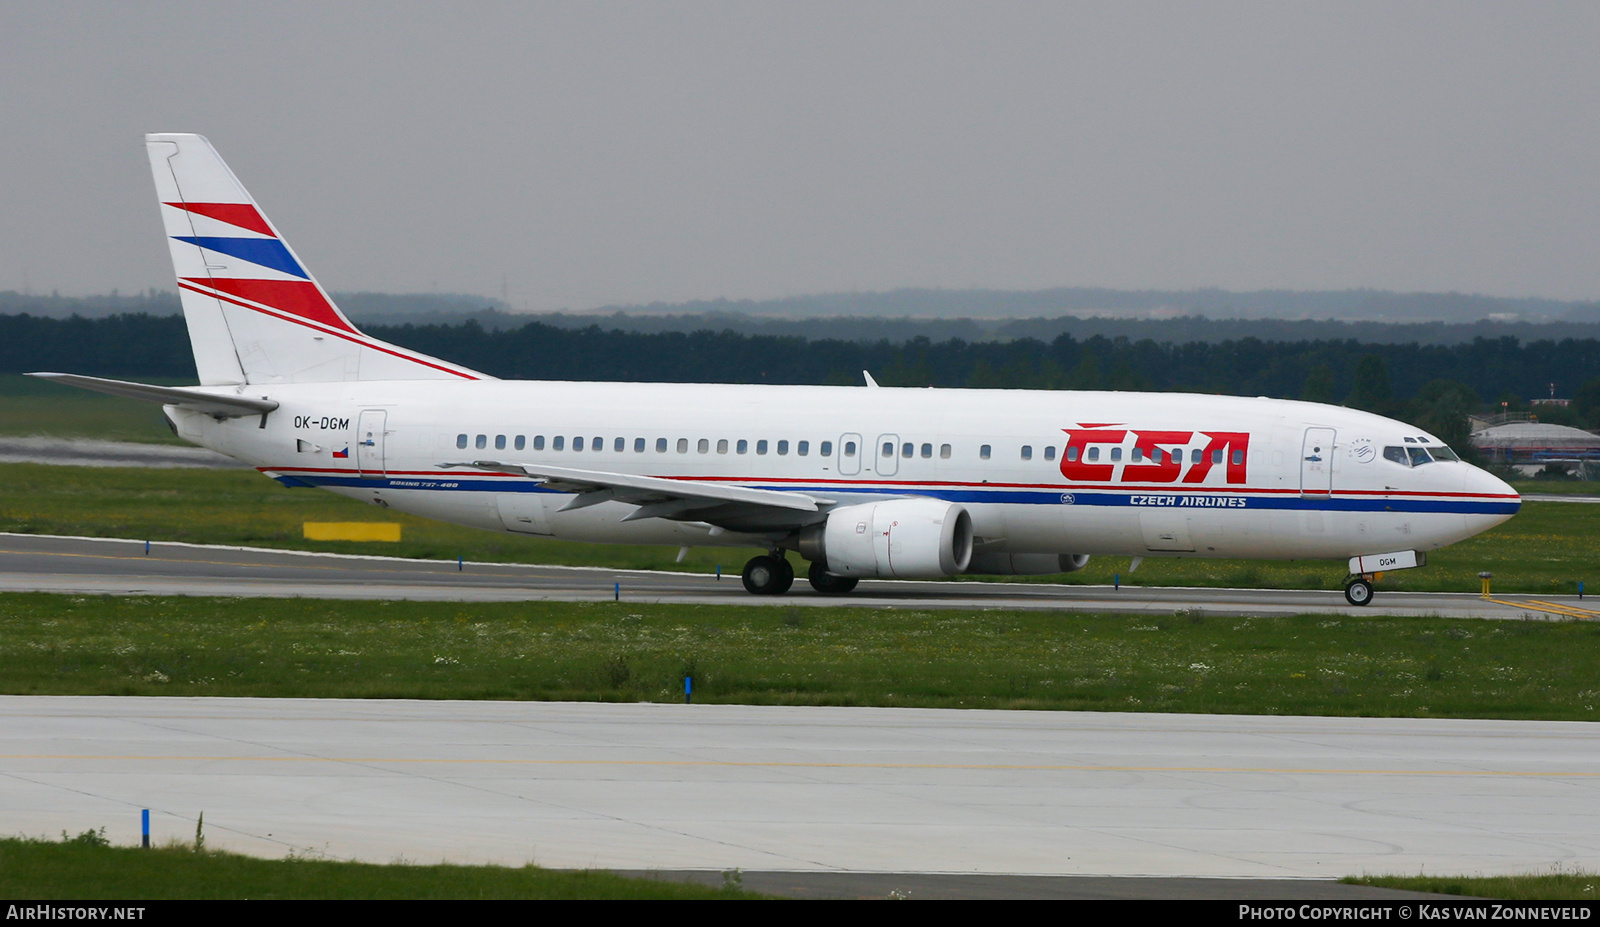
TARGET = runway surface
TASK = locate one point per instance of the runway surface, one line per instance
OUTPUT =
(648, 786)
(38, 563)
(87, 452)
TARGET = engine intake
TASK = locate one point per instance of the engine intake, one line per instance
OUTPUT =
(899, 539)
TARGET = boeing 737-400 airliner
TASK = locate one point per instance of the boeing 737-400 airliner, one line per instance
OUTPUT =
(861, 481)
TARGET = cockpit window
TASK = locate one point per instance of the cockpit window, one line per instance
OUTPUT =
(1419, 456)
(1443, 453)
(1397, 454)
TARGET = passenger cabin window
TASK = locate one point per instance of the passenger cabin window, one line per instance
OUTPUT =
(1238, 457)
(888, 449)
(577, 443)
(1216, 457)
(461, 440)
(683, 445)
(1027, 452)
(826, 449)
(983, 452)
(661, 445)
(722, 445)
(1116, 454)
(849, 449)
(1194, 456)
(638, 445)
(481, 442)
(802, 448)
(557, 443)
(619, 445)
(522, 441)
(1072, 454)
(783, 447)
(1094, 453)
(944, 451)
(598, 444)
(927, 450)
(1050, 453)
(703, 446)
(538, 442)
(499, 442)
(761, 446)
(1138, 455)
(743, 447)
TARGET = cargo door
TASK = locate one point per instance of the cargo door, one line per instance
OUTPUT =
(525, 512)
(1165, 529)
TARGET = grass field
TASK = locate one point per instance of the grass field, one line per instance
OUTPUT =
(1367, 666)
(85, 868)
(1547, 548)
(38, 407)
(1549, 886)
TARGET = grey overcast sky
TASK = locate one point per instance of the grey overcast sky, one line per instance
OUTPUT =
(598, 153)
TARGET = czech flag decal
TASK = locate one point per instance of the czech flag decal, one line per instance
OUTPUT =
(343, 453)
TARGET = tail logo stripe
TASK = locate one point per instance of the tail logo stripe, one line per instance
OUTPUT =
(348, 334)
(291, 296)
(267, 252)
(243, 215)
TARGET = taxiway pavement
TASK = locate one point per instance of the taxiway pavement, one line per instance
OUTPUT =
(41, 563)
(652, 786)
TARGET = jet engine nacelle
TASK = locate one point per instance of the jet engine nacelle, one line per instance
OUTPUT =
(1026, 564)
(899, 539)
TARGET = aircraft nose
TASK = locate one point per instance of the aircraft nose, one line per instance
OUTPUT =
(1495, 498)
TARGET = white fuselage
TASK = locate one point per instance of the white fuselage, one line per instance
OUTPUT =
(1139, 474)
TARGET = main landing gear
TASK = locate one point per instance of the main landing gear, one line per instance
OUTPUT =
(1358, 591)
(772, 574)
(768, 575)
(830, 583)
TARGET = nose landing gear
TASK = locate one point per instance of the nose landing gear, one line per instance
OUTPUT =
(1358, 591)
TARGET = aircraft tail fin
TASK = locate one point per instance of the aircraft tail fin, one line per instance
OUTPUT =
(255, 314)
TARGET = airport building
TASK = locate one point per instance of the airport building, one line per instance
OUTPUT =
(1532, 446)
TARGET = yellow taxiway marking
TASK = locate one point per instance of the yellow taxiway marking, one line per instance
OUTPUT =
(1576, 610)
(1552, 608)
(764, 764)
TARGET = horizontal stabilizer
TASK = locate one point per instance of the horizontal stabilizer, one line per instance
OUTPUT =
(184, 397)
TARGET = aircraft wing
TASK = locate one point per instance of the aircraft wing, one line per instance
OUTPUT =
(185, 397)
(660, 497)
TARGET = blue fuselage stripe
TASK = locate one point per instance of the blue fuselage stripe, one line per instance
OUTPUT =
(1178, 500)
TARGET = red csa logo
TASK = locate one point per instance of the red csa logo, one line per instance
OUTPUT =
(1157, 455)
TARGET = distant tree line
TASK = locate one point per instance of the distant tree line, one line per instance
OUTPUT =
(1428, 383)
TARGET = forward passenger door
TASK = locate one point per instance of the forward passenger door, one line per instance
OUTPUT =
(1316, 463)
